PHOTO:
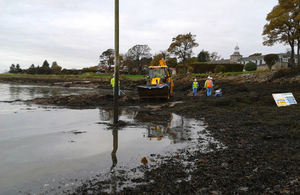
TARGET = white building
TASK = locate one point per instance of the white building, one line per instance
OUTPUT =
(236, 57)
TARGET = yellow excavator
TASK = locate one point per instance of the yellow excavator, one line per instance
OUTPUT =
(159, 84)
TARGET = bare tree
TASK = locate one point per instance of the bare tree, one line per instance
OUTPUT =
(137, 53)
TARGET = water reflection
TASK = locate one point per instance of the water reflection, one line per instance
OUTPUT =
(159, 127)
(107, 114)
(115, 148)
(114, 161)
(171, 128)
(156, 128)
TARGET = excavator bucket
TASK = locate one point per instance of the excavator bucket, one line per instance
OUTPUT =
(154, 91)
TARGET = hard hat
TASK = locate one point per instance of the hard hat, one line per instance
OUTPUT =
(195, 79)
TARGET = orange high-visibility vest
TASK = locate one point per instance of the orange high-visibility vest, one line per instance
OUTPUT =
(208, 83)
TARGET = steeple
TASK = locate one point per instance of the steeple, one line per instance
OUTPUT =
(236, 55)
(236, 50)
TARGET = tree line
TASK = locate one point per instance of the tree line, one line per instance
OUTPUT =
(137, 58)
(135, 61)
(46, 69)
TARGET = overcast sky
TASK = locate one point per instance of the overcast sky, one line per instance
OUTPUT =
(75, 32)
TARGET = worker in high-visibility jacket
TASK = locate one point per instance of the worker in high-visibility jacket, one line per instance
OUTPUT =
(112, 82)
(208, 85)
(195, 86)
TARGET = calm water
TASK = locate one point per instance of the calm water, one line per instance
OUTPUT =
(42, 148)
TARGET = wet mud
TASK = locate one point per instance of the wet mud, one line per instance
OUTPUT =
(262, 140)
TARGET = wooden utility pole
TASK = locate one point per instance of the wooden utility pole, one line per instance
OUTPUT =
(116, 70)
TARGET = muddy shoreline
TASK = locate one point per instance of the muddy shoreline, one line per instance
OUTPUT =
(262, 140)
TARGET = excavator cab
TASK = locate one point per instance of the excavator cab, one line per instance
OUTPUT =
(157, 76)
(160, 84)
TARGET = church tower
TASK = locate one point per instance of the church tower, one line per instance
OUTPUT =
(236, 55)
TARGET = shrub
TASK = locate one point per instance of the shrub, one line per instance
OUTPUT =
(222, 69)
(190, 69)
(271, 59)
(202, 67)
(179, 70)
(285, 72)
(251, 66)
(219, 68)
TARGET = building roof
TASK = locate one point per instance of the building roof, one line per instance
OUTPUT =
(236, 53)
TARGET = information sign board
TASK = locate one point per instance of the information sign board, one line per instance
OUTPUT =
(284, 99)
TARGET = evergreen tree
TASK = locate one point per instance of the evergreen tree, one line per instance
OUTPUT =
(202, 56)
(45, 69)
(31, 70)
(12, 69)
(46, 64)
(18, 69)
